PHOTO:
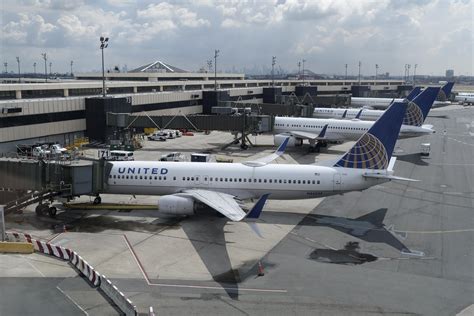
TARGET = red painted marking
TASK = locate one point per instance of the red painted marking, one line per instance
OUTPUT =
(50, 249)
(40, 247)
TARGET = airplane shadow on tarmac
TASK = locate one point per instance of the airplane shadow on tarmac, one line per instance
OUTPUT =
(412, 158)
(207, 234)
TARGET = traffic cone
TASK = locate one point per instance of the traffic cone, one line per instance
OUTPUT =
(260, 270)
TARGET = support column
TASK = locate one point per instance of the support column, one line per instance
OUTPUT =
(135, 89)
(18, 94)
(66, 92)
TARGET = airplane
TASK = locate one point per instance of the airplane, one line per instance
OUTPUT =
(373, 115)
(320, 131)
(184, 186)
(383, 103)
(465, 97)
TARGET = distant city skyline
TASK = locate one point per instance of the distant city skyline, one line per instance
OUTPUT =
(436, 35)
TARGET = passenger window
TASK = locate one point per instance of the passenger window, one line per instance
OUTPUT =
(259, 180)
(318, 181)
(254, 180)
(184, 179)
(192, 178)
(240, 179)
(225, 179)
(304, 182)
(187, 178)
(124, 177)
(221, 179)
(141, 177)
(279, 181)
(159, 178)
(174, 178)
(164, 178)
(264, 180)
(136, 177)
(314, 182)
(205, 178)
(245, 180)
(299, 181)
(230, 179)
(294, 181)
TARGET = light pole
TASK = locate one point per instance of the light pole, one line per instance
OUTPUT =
(5, 64)
(360, 64)
(304, 60)
(299, 70)
(45, 67)
(104, 42)
(216, 54)
(345, 74)
(72, 62)
(273, 68)
(34, 68)
(405, 75)
(414, 73)
(408, 72)
(19, 75)
(376, 71)
(50, 65)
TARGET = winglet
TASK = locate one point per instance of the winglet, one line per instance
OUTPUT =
(358, 114)
(322, 134)
(258, 207)
(282, 147)
(344, 114)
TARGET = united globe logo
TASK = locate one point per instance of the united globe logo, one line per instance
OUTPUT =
(368, 153)
(413, 116)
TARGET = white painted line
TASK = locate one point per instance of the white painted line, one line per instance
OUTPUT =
(73, 301)
(218, 288)
(33, 266)
(145, 276)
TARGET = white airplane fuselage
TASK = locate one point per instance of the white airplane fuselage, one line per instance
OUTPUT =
(366, 115)
(465, 97)
(282, 181)
(339, 129)
(384, 103)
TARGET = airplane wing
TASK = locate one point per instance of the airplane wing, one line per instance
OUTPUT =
(221, 202)
(312, 136)
(226, 204)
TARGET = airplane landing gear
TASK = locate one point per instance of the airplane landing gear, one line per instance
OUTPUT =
(97, 200)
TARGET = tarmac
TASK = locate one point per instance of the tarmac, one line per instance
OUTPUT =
(397, 248)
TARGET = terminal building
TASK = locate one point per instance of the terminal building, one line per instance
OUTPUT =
(33, 110)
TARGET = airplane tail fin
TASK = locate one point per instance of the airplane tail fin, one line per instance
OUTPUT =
(413, 93)
(420, 106)
(374, 149)
(445, 91)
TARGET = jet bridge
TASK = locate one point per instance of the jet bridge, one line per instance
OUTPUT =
(28, 181)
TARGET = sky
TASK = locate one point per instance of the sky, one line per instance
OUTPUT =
(436, 35)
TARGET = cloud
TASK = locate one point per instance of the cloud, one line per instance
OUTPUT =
(327, 33)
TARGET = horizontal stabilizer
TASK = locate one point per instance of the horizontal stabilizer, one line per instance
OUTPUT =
(387, 176)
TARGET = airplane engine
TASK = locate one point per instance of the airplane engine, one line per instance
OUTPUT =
(176, 205)
(278, 139)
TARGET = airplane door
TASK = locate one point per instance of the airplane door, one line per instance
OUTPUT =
(337, 182)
